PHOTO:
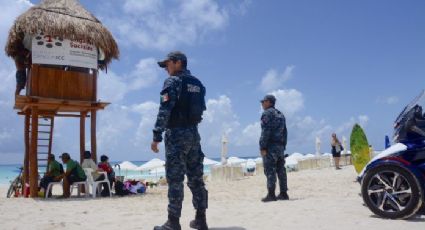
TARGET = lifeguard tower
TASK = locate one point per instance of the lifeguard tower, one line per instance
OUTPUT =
(68, 45)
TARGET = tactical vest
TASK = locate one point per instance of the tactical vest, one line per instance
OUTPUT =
(190, 104)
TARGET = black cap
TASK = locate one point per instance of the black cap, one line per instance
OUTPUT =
(174, 56)
(65, 156)
(270, 98)
(51, 157)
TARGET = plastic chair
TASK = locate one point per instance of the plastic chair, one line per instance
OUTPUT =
(85, 183)
(50, 187)
(95, 184)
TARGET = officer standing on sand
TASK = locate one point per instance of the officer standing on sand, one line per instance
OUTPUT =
(272, 146)
(180, 112)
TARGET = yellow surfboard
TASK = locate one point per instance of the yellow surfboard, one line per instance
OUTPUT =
(359, 148)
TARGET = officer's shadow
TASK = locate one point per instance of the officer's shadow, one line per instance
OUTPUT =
(228, 228)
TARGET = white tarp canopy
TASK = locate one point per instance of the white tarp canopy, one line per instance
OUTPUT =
(208, 161)
(152, 164)
(156, 171)
(326, 155)
(309, 156)
(258, 160)
(235, 161)
(127, 165)
(250, 163)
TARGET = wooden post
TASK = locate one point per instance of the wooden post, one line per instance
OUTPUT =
(82, 135)
(33, 177)
(94, 96)
(49, 152)
(93, 135)
(27, 149)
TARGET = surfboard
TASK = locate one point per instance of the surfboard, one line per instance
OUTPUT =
(359, 148)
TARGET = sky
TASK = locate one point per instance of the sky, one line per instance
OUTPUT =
(330, 64)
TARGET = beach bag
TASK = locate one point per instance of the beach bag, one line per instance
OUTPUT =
(120, 189)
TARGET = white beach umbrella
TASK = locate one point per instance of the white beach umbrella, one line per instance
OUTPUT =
(291, 161)
(157, 171)
(127, 165)
(297, 156)
(208, 161)
(152, 164)
(235, 161)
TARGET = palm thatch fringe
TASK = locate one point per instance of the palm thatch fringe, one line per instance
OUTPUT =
(65, 18)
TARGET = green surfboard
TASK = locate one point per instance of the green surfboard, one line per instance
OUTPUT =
(359, 148)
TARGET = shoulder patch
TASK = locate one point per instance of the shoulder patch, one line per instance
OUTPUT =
(165, 97)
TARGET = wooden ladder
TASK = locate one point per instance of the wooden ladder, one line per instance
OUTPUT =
(44, 141)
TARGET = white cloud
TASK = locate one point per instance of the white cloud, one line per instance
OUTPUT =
(391, 100)
(363, 120)
(145, 74)
(11, 9)
(249, 135)
(111, 87)
(142, 6)
(273, 80)
(4, 135)
(218, 119)
(289, 101)
(155, 25)
(346, 127)
(115, 126)
(147, 112)
(11, 134)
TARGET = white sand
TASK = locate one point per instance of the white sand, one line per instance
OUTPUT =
(320, 199)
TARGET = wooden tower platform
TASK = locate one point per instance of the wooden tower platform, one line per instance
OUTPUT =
(55, 91)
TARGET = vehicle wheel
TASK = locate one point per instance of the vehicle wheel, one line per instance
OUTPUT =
(391, 192)
(11, 189)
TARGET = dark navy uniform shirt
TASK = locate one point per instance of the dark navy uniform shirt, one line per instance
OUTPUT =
(273, 128)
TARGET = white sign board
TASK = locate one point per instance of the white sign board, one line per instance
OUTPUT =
(51, 50)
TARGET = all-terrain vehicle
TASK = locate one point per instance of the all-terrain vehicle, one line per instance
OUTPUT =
(393, 182)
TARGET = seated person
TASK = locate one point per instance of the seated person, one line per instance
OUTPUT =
(53, 173)
(89, 163)
(74, 173)
(105, 166)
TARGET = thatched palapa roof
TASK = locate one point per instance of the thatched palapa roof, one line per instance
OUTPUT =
(66, 18)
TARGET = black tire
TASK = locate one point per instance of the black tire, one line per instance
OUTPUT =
(12, 188)
(391, 192)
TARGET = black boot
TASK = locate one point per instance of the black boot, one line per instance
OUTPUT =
(200, 221)
(271, 196)
(283, 196)
(172, 223)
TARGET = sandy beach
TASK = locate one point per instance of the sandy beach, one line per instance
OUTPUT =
(319, 199)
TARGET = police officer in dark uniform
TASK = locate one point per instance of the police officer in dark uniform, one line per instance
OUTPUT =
(272, 146)
(180, 112)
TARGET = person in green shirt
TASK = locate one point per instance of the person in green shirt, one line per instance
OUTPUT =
(52, 174)
(74, 173)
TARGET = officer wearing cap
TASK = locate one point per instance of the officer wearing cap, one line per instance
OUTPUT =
(180, 112)
(272, 146)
